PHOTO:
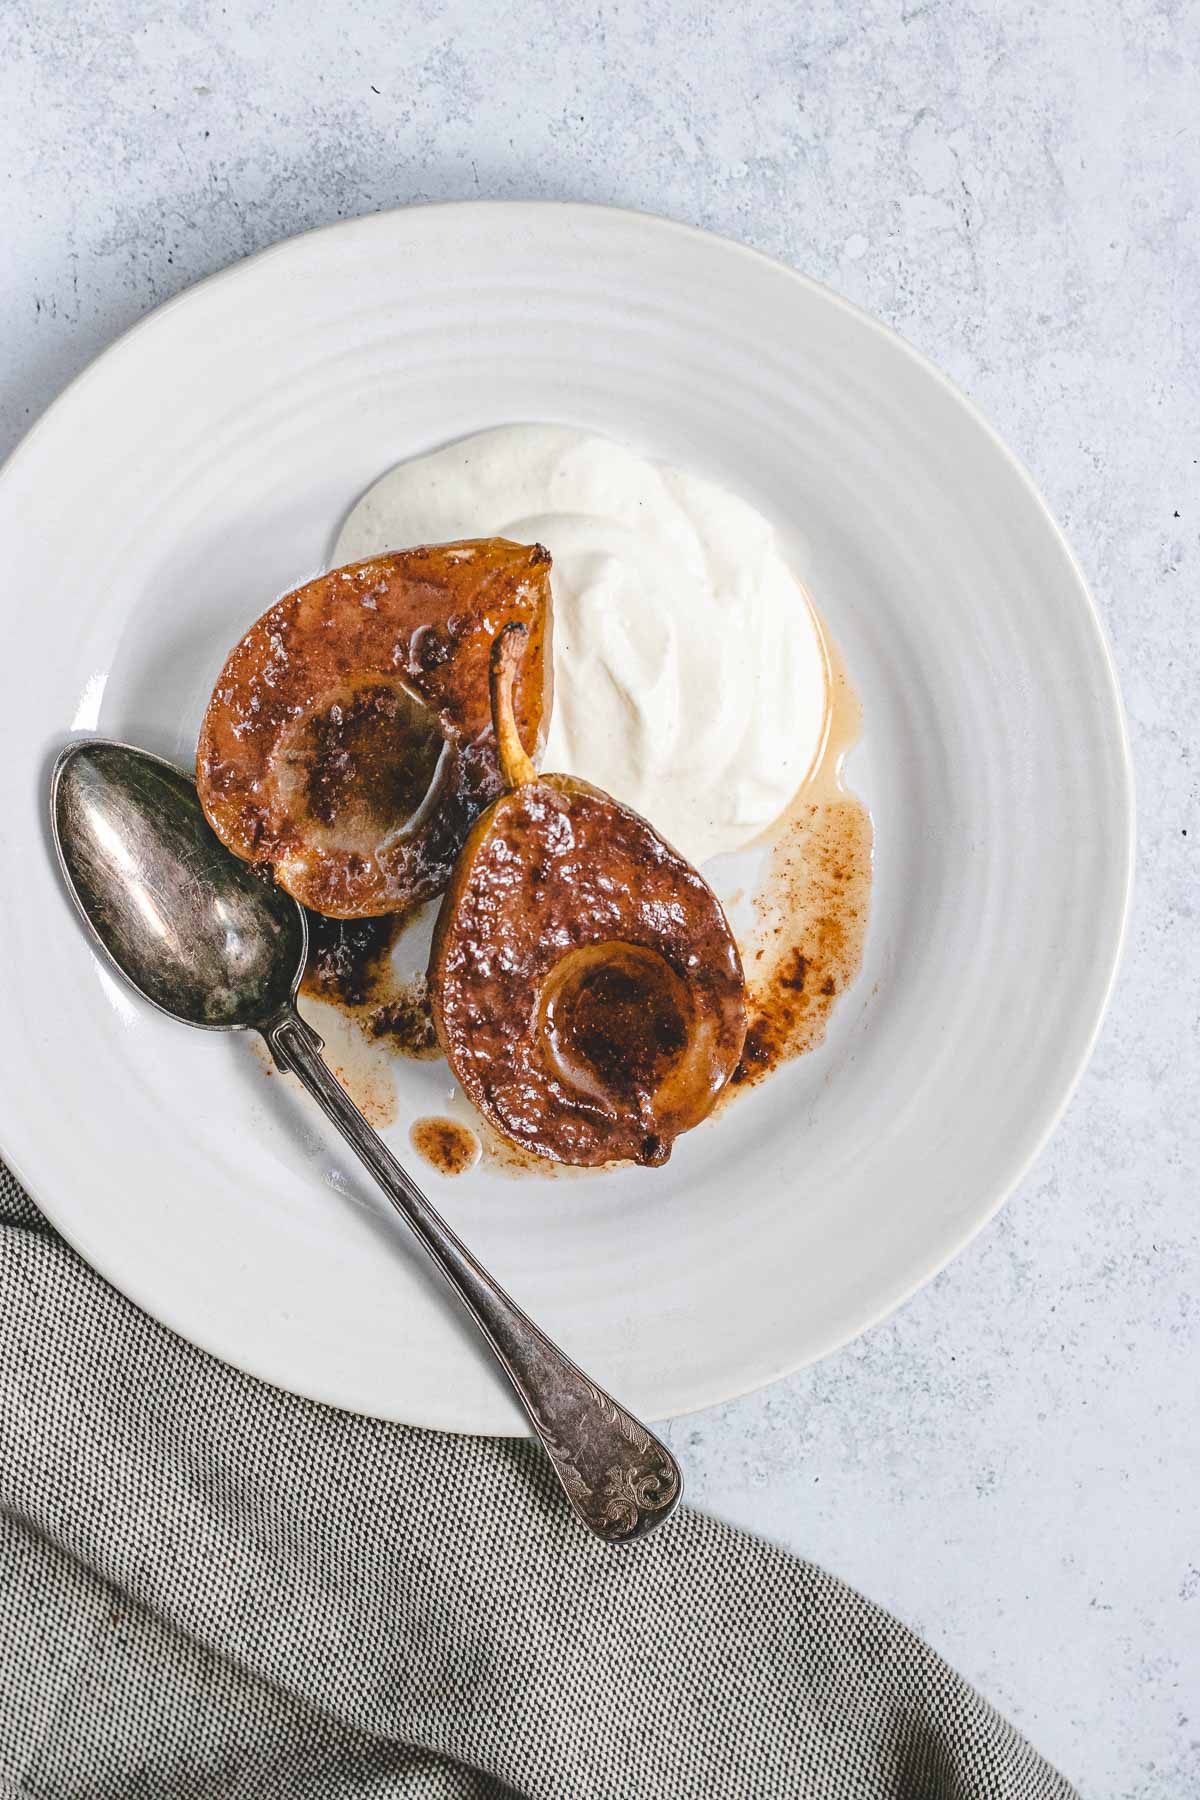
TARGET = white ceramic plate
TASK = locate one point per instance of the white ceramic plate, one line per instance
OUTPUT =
(202, 466)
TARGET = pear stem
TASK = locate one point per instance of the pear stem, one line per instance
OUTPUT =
(507, 652)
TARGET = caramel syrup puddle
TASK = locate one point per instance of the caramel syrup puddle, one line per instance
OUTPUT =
(368, 1013)
(446, 1146)
(813, 903)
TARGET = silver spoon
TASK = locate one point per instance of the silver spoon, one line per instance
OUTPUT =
(211, 944)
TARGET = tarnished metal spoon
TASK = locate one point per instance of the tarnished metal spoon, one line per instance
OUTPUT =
(211, 944)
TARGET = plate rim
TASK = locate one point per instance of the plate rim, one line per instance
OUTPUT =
(1111, 701)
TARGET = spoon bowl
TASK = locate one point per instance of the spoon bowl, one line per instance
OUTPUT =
(196, 932)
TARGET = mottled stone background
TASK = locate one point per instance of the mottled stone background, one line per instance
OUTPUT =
(1012, 1462)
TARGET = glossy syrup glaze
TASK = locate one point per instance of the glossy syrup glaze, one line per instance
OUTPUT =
(585, 984)
(348, 740)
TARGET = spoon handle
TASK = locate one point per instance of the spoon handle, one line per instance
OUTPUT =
(620, 1480)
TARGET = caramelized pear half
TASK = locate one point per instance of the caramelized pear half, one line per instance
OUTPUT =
(586, 988)
(349, 740)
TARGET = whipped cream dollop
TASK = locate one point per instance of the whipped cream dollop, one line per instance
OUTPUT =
(690, 676)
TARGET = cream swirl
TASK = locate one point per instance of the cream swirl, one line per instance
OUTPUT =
(690, 675)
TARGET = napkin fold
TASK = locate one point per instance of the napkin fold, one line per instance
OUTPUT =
(213, 1590)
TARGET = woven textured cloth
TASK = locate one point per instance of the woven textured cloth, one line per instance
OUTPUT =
(211, 1590)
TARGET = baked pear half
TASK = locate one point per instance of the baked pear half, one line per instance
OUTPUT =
(585, 985)
(349, 743)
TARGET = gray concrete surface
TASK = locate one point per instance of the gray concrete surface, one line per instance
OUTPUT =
(1012, 1462)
